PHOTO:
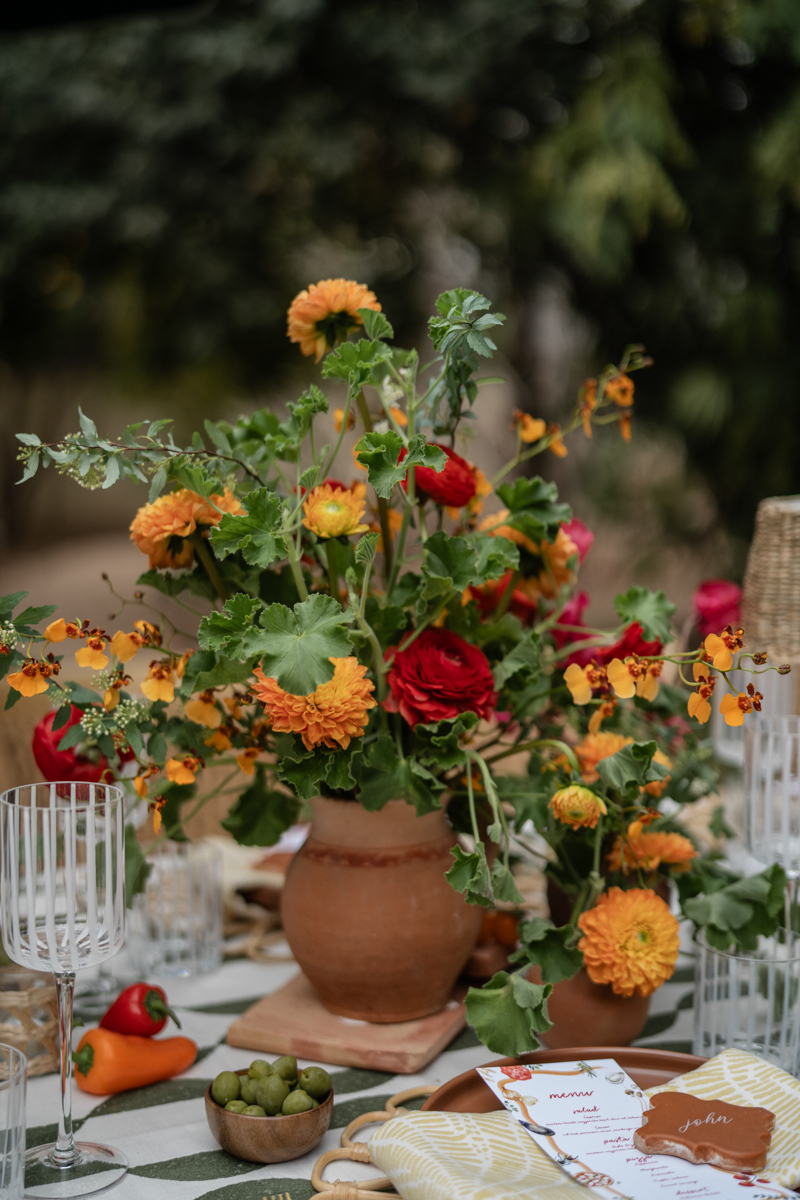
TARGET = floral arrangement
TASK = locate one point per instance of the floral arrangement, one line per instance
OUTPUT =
(400, 637)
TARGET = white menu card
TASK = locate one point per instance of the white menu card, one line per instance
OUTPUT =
(584, 1114)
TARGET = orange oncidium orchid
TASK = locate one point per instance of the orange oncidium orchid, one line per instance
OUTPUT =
(33, 676)
(634, 676)
(160, 682)
(183, 770)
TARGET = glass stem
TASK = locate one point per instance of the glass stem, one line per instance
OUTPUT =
(65, 1153)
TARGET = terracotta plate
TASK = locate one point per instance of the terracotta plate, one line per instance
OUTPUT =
(648, 1068)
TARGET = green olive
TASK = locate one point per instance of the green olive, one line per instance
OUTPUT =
(297, 1102)
(237, 1106)
(249, 1089)
(316, 1081)
(286, 1067)
(254, 1110)
(225, 1087)
(271, 1093)
(259, 1067)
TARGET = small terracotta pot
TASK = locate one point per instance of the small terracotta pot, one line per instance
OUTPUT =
(590, 1014)
(268, 1139)
(369, 915)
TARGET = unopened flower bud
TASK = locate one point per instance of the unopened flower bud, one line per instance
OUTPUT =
(784, 669)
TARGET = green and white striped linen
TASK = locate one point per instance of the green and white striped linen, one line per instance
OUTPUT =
(163, 1131)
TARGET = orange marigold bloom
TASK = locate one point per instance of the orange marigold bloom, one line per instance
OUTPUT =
(577, 807)
(333, 512)
(734, 708)
(596, 746)
(326, 312)
(160, 529)
(630, 941)
(183, 770)
(529, 429)
(32, 677)
(329, 716)
(160, 684)
(647, 850)
(721, 647)
(620, 389)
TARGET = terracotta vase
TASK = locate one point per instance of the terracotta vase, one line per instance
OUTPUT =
(369, 915)
(590, 1014)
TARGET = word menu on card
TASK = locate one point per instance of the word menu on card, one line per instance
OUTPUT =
(584, 1114)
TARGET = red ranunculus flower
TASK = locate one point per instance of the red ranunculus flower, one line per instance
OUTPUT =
(716, 603)
(488, 596)
(454, 486)
(439, 676)
(64, 765)
(580, 535)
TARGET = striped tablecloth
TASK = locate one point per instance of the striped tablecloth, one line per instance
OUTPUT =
(163, 1131)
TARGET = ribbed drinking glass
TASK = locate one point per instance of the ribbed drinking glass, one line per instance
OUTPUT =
(62, 909)
(13, 1066)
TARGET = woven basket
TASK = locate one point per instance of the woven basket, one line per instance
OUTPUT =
(28, 1017)
(771, 601)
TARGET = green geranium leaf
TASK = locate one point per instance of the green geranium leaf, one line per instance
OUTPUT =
(354, 362)
(503, 885)
(470, 874)
(525, 657)
(261, 815)
(631, 767)
(508, 1012)
(387, 621)
(302, 770)
(375, 323)
(297, 644)
(496, 555)
(379, 453)
(450, 564)
(652, 610)
(257, 535)
(383, 776)
(303, 411)
(440, 743)
(228, 630)
(205, 669)
(547, 946)
(168, 584)
(533, 508)
(365, 548)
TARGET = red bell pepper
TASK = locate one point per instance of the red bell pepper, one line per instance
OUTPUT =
(141, 1009)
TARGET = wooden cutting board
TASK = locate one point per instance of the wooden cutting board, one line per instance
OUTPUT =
(293, 1020)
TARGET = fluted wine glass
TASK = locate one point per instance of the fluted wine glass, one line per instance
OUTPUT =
(62, 909)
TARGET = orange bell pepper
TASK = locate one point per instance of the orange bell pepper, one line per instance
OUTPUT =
(107, 1062)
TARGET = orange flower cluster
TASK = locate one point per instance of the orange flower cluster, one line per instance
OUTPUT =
(634, 676)
(529, 429)
(644, 850)
(630, 941)
(160, 529)
(556, 555)
(331, 715)
(326, 312)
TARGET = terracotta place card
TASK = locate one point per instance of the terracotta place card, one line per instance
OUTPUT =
(729, 1136)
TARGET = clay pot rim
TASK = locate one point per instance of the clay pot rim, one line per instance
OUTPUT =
(327, 1102)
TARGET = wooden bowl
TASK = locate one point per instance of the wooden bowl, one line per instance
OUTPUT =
(268, 1139)
(647, 1068)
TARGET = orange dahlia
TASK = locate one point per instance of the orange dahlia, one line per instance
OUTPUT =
(326, 312)
(333, 511)
(577, 807)
(596, 746)
(630, 940)
(647, 850)
(160, 529)
(329, 716)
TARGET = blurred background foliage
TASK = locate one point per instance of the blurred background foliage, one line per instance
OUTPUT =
(606, 171)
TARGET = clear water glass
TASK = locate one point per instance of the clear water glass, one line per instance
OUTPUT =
(175, 924)
(750, 1001)
(62, 909)
(772, 791)
(13, 1071)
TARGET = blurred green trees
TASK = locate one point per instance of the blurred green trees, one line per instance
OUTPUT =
(166, 186)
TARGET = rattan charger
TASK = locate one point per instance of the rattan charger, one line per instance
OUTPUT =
(29, 1020)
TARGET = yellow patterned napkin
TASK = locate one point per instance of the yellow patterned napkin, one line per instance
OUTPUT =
(474, 1156)
(742, 1078)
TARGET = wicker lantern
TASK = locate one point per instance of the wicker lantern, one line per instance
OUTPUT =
(28, 1019)
(771, 601)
